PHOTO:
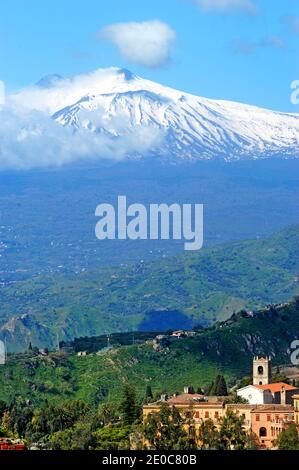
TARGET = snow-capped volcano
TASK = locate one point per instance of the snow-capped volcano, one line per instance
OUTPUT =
(114, 102)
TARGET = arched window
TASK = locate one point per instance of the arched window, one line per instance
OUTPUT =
(263, 432)
(260, 370)
(260, 383)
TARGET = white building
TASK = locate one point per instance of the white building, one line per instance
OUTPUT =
(263, 392)
(255, 395)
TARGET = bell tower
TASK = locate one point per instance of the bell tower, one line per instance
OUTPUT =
(262, 373)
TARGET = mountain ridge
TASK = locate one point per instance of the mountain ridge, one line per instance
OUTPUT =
(177, 292)
(192, 127)
(179, 126)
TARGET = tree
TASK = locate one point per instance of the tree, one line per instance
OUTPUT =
(128, 407)
(288, 438)
(208, 435)
(212, 391)
(148, 392)
(164, 430)
(107, 414)
(221, 389)
(3, 407)
(232, 435)
(234, 398)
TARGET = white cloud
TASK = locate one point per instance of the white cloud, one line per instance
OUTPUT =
(53, 92)
(30, 137)
(148, 43)
(228, 6)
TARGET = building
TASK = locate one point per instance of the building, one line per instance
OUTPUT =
(262, 391)
(296, 408)
(271, 407)
(82, 353)
(278, 393)
(262, 370)
(255, 395)
(202, 407)
(268, 421)
(282, 393)
(265, 421)
(11, 444)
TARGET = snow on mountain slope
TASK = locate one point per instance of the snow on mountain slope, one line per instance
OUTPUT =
(115, 102)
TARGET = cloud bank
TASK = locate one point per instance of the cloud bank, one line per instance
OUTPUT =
(148, 43)
(228, 6)
(31, 138)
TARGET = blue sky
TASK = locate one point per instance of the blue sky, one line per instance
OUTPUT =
(234, 54)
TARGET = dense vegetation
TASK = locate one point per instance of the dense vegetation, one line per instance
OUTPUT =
(179, 292)
(65, 401)
(225, 349)
(77, 426)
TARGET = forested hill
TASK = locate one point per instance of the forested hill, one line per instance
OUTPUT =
(177, 292)
(225, 348)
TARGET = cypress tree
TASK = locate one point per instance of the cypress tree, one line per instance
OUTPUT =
(148, 392)
(128, 407)
(221, 389)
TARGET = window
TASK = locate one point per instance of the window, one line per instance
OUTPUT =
(216, 414)
(263, 432)
(257, 418)
(196, 416)
(268, 417)
(260, 370)
(207, 414)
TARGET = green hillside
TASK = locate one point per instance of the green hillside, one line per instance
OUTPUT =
(179, 292)
(227, 348)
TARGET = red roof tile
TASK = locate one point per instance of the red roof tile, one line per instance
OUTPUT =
(276, 387)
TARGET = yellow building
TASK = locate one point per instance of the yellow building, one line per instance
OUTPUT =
(296, 408)
(202, 410)
(265, 421)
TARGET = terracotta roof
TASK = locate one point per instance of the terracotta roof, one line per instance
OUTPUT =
(276, 387)
(269, 408)
(186, 398)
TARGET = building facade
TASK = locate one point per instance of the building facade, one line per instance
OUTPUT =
(278, 393)
(265, 421)
(296, 408)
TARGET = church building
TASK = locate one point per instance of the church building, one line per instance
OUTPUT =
(262, 391)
